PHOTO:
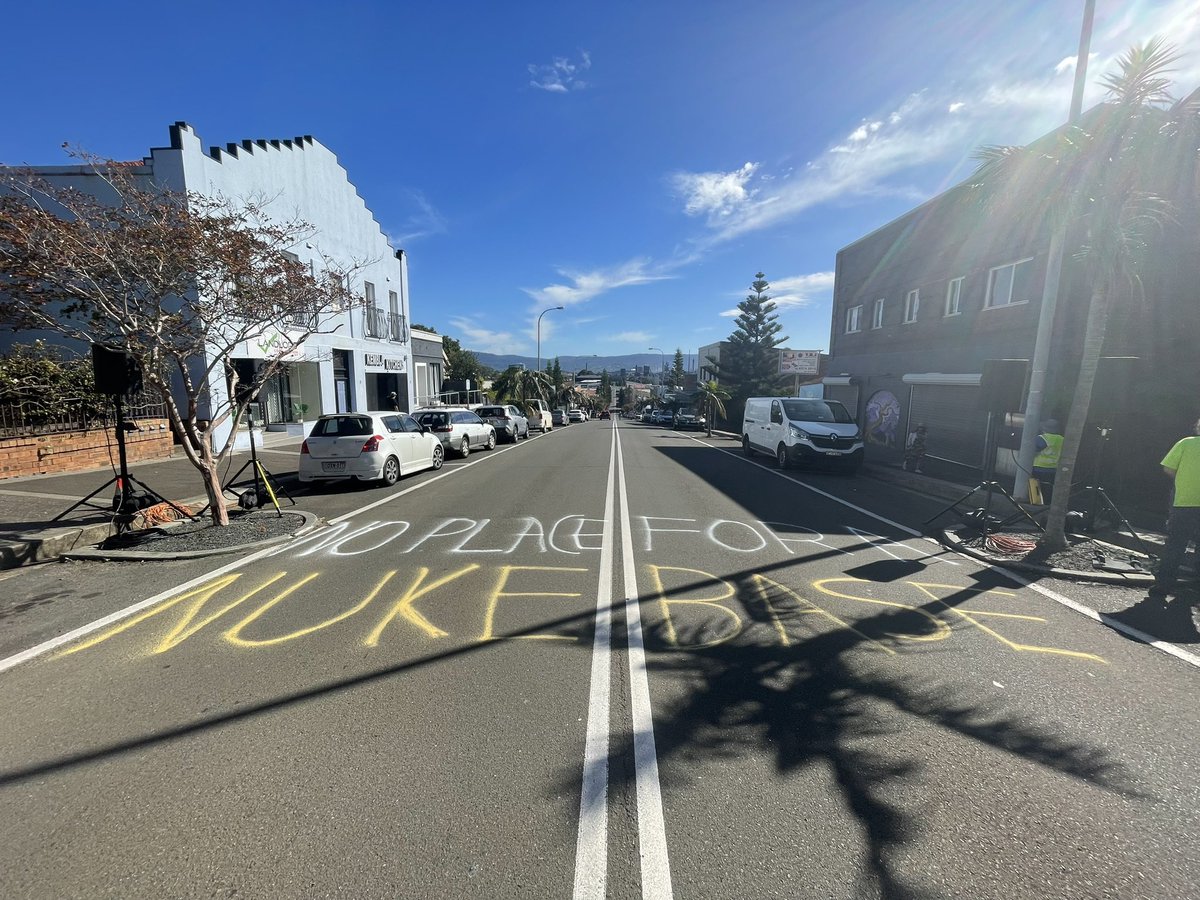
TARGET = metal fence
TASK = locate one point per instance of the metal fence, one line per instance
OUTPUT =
(30, 415)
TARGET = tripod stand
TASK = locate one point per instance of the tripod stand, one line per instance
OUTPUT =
(266, 486)
(126, 503)
(983, 518)
(1098, 500)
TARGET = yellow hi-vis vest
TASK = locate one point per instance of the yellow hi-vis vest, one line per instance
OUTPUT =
(1048, 458)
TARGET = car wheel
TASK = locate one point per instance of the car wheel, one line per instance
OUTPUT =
(439, 457)
(746, 447)
(391, 471)
(464, 449)
(491, 441)
(781, 456)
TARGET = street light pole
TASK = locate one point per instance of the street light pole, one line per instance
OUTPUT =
(539, 333)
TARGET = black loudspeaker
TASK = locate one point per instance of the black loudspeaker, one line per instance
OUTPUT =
(115, 371)
(1002, 384)
(1114, 387)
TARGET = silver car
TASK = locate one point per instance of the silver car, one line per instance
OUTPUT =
(510, 423)
(459, 429)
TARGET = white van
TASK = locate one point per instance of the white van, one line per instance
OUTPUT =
(799, 429)
(538, 414)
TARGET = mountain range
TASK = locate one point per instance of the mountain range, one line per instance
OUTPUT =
(500, 362)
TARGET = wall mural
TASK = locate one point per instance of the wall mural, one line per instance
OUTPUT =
(883, 419)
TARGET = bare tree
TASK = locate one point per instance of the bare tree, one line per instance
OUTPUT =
(181, 282)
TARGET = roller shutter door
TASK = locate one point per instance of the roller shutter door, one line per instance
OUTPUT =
(956, 425)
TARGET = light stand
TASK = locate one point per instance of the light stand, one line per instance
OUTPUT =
(1097, 496)
(982, 518)
(266, 485)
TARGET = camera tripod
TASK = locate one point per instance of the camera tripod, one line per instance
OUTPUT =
(126, 502)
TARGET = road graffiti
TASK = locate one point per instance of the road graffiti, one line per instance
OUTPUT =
(575, 535)
(477, 604)
(715, 611)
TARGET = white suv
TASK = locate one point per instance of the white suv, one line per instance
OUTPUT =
(459, 429)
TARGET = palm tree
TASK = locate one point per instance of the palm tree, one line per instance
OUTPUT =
(711, 396)
(519, 384)
(1099, 181)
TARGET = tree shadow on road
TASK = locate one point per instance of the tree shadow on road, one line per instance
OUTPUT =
(834, 696)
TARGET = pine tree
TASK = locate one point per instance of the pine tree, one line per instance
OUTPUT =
(677, 369)
(750, 368)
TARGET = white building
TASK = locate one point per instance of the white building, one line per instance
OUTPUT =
(369, 355)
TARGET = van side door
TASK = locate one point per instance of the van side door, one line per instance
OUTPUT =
(775, 432)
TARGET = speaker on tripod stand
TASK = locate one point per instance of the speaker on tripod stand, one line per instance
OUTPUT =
(1002, 385)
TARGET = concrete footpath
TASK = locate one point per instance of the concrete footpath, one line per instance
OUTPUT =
(37, 522)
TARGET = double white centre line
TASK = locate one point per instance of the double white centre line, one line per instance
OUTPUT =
(591, 849)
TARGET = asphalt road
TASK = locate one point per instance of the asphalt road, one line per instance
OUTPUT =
(612, 661)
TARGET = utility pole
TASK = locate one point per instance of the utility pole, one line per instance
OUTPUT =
(1054, 265)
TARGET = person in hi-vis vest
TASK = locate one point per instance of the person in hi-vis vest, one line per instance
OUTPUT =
(1045, 464)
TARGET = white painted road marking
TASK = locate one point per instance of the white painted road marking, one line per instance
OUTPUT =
(652, 831)
(591, 843)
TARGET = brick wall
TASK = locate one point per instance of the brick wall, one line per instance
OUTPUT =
(76, 451)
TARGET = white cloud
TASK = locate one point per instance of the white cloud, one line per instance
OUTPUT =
(584, 286)
(715, 193)
(631, 337)
(424, 221)
(793, 292)
(473, 336)
(890, 152)
(560, 76)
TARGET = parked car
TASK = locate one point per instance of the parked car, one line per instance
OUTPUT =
(577, 415)
(539, 415)
(647, 415)
(664, 417)
(368, 446)
(510, 423)
(797, 429)
(688, 418)
(459, 429)
(559, 417)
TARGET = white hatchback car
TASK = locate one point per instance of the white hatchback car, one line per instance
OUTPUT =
(369, 446)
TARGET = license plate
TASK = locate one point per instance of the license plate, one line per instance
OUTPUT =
(333, 466)
(832, 453)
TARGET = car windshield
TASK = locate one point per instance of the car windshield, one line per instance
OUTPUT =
(343, 426)
(494, 412)
(817, 411)
(432, 418)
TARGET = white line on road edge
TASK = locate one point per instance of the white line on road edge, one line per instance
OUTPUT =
(84, 630)
(652, 830)
(1096, 616)
(591, 843)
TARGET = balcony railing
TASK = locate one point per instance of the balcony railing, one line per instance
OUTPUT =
(376, 322)
(397, 327)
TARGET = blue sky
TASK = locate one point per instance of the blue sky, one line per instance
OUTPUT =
(635, 162)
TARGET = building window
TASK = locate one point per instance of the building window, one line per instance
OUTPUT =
(877, 314)
(853, 319)
(1010, 284)
(912, 303)
(954, 297)
(370, 292)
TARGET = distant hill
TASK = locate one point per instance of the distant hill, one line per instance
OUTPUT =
(593, 363)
